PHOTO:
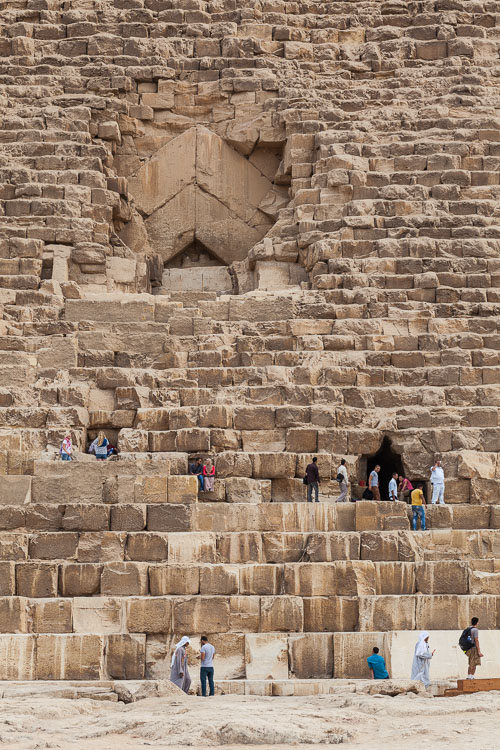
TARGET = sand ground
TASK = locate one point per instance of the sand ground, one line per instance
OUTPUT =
(404, 722)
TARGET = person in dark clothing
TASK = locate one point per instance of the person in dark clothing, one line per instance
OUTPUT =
(197, 468)
(313, 480)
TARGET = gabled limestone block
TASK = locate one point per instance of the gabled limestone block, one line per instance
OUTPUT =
(125, 656)
(273, 465)
(244, 490)
(52, 616)
(449, 611)
(351, 651)
(330, 613)
(69, 657)
(146, 546)
(14, 615)
(281, 613)
(266, 656)
(36, 579)
(311, 656)
(101, 546)
(97, 615)
(182, 489)
(53, 546)
(244, 614)
(444, 577)
(242, 547)
(15, 490)
(149, 615)
(124, 579)
(394, 578)
(166, 517)
(202, 614)
(264, 580)
(174, 579)
(80, 579)
(17, 657)
(7, 579)
(324, 547)
(219, 579)
(194, 547)
(387, 613)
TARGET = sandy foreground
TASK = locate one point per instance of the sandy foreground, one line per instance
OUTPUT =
(236, 722)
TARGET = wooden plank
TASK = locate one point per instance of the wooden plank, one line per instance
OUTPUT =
(452, 693)
(476, 686)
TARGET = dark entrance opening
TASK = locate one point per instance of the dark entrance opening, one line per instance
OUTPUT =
(389, 461)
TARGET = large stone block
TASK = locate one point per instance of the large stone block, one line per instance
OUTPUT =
(17, 657)
(182, 489)
(124, 579)
(351, 651)
(244, 614)
(266, 656)
(97, 615)
(174, 579)
(194, 547)
(395, 578)
(202, 614)
(126, 656)
(149, 615)
(219, 579)
(80, 579)
(244, 490)
(273, 465)
(311, 656)
(330, 614)
(168, 517)
(14, 615)
(264, 580)
(15, 490)
(444, 577)
(36, 579)
(449, 611)
(7, 579)
(281, 614)
(240, 547)
(53, 546)
(147, 546)
(387, 613)
(69, 657)
(52, 616)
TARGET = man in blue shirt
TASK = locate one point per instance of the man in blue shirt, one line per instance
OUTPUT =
(376, 664)
(393, 487)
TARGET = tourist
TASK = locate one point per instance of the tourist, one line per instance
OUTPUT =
(418, 508)
(373, 482)
(313, 480)
(422, 659)
(376, 665)
(179, 672)
(66, 449)
(404, 489)
(343, 481)
(208, 476)
(393, 487)
(196, 468)
(469, 642)
(207, 652)
(100, 446)
(437, 481)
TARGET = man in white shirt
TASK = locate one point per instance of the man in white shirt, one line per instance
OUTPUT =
(437, 481)
(342, 472)
(393, 487)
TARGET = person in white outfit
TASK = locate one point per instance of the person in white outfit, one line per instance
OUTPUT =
(343, 483)
(437, 481)
(422, 659)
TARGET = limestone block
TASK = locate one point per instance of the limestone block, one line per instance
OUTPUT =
(219, 579)
(351, 651)
(485, 491)
(69, 657)
(482, 582)
(124, 579)
(254, 418)
(15, 490)
(80, 579)
(266, 657)
(443, 577)
(395, 578)
(260, 440)
(202, 614)
(36, 579)
(121, 270)
(97, 615)
(194, 440)
(471, 516)
(13, 546)
(230, 654)
(273, 465)
(311, 656)
(174, 579)
(383, 547)
(52, 616)
(132, 308)
(146, 546)
(324, 547)
(7, 579)
(152, 489)
(193, 547)
(330, 614)
(387, 613)
(375, 515)
(61, 488)
(159, 649)
(288, 490)
(475, 464)
(229, 464)
(244, 614)
(125, 657)
(101, 546)
(14, 615)
(149, 615)
(244, 490)
(263, 580)
(17, 657)
(84, 517)
(449, 611)
(182, 489)
(59, 353)
(128, 517)
(240, 547)
(281, 613)
(53, 546)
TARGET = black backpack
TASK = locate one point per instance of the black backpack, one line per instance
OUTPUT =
(466, 641)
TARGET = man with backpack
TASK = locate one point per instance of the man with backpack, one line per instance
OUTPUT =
(469, 643)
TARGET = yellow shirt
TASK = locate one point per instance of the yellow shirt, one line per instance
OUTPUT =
(417, 497)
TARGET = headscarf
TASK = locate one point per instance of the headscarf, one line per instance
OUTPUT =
(183, 641)
(422, 647)
(66, 444)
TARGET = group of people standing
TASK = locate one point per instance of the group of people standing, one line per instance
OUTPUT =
(179, 668)
(101, 447)
(205, 473)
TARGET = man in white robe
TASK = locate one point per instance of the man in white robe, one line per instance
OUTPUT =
(422, 659)
(179, 672)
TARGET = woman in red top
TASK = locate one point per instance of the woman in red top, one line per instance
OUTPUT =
(208, 476)
(404, 489)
